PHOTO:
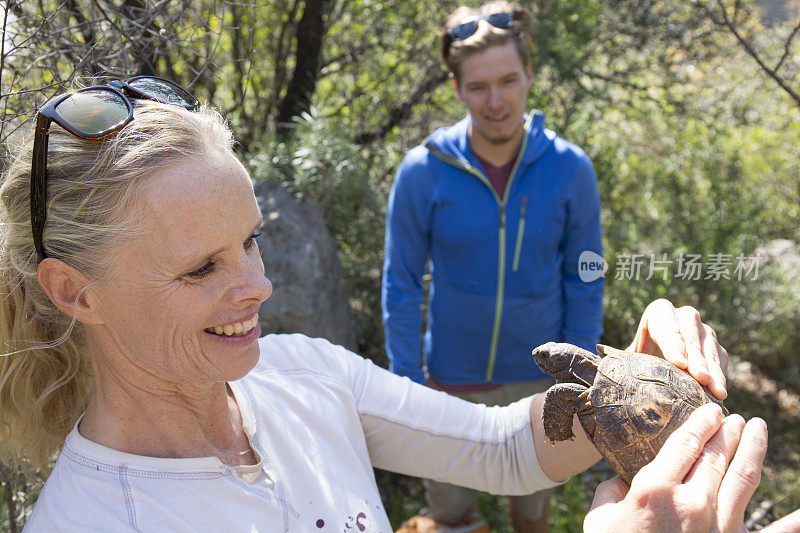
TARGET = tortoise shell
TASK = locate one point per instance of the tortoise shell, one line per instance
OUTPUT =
(638, 401)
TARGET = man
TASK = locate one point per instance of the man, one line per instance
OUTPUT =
(499, 208)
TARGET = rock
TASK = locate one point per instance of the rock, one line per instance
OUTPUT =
(781, 252)
(300, 259)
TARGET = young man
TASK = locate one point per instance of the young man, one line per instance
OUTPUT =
(500, 209)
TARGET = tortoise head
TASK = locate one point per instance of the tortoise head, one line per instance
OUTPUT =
(567, 363)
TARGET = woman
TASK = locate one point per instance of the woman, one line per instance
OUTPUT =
(133, 283)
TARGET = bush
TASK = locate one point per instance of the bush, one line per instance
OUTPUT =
(351, 184)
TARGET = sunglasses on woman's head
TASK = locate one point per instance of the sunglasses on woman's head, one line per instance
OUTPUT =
(468, 27)
(91, 113)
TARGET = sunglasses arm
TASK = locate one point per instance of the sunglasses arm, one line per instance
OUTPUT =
(39, 182)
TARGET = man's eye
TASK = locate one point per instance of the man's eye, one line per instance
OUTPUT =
(202, 272)
(251, 243)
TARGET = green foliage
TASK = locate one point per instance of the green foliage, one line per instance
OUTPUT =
(679, 185)
(403, 496)
(570, 502)
(350, 184)
(769, 316)
(694, 146)
(18, 494)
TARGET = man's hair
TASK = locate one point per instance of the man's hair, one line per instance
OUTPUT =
(452, 53)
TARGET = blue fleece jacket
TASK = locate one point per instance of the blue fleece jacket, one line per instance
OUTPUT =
(504, 270)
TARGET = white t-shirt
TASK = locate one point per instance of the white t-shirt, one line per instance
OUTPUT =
(319, 417)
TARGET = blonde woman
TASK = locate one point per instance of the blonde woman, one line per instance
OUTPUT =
(132, 282)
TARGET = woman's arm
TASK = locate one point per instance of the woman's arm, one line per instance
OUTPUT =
(563, 459)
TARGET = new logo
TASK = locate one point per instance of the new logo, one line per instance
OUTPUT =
(591, 266)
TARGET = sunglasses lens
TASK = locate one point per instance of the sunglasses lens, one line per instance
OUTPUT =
(94, 111)
(500, 20)
(468, 27)
(463, 30)
(163, 91)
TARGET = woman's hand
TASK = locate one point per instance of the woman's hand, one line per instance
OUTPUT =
(680, 337)
(689, 486)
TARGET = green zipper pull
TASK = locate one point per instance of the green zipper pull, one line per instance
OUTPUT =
(520, 231)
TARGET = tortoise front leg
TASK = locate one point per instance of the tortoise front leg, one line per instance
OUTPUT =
(561, 402)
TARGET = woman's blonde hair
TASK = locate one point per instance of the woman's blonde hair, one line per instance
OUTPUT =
(92, 184)
(452, 53)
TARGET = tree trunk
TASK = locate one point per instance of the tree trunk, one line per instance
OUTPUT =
(401, 112)
(310, 34)
(7, 479)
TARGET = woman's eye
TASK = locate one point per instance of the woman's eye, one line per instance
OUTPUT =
(249, 245)
(202, 272)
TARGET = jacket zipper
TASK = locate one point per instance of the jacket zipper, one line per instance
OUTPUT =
(501, 266)
(520, 232)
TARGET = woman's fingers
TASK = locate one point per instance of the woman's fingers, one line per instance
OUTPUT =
(743, 476)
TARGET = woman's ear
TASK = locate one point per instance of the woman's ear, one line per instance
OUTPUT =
(67, 289)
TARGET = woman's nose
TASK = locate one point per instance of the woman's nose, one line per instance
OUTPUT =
(251, 283)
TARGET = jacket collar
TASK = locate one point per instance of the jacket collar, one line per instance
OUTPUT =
(453, 139)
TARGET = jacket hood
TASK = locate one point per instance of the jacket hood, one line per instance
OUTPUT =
(452, 140)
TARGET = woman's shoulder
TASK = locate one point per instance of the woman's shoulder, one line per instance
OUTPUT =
(68, 501)
(296, 344)
(295, 352)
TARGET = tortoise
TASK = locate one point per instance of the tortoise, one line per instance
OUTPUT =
(628, 403)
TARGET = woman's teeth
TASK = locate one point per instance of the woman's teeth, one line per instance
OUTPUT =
(236, 329)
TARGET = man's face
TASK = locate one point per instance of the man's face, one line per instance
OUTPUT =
(494, 84)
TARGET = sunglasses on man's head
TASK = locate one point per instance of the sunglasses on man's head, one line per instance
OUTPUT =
(91, 113)
(468, 27)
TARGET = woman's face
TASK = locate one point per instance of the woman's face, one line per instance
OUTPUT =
(183, 302)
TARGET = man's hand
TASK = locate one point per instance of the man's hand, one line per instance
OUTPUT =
(689, 486)
(788, 524)
(680, 337)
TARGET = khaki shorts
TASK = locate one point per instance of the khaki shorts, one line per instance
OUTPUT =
(450, 503)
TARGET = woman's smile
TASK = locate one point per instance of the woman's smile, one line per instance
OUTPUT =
(237, 333)
(234, 329)
(247, 336)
